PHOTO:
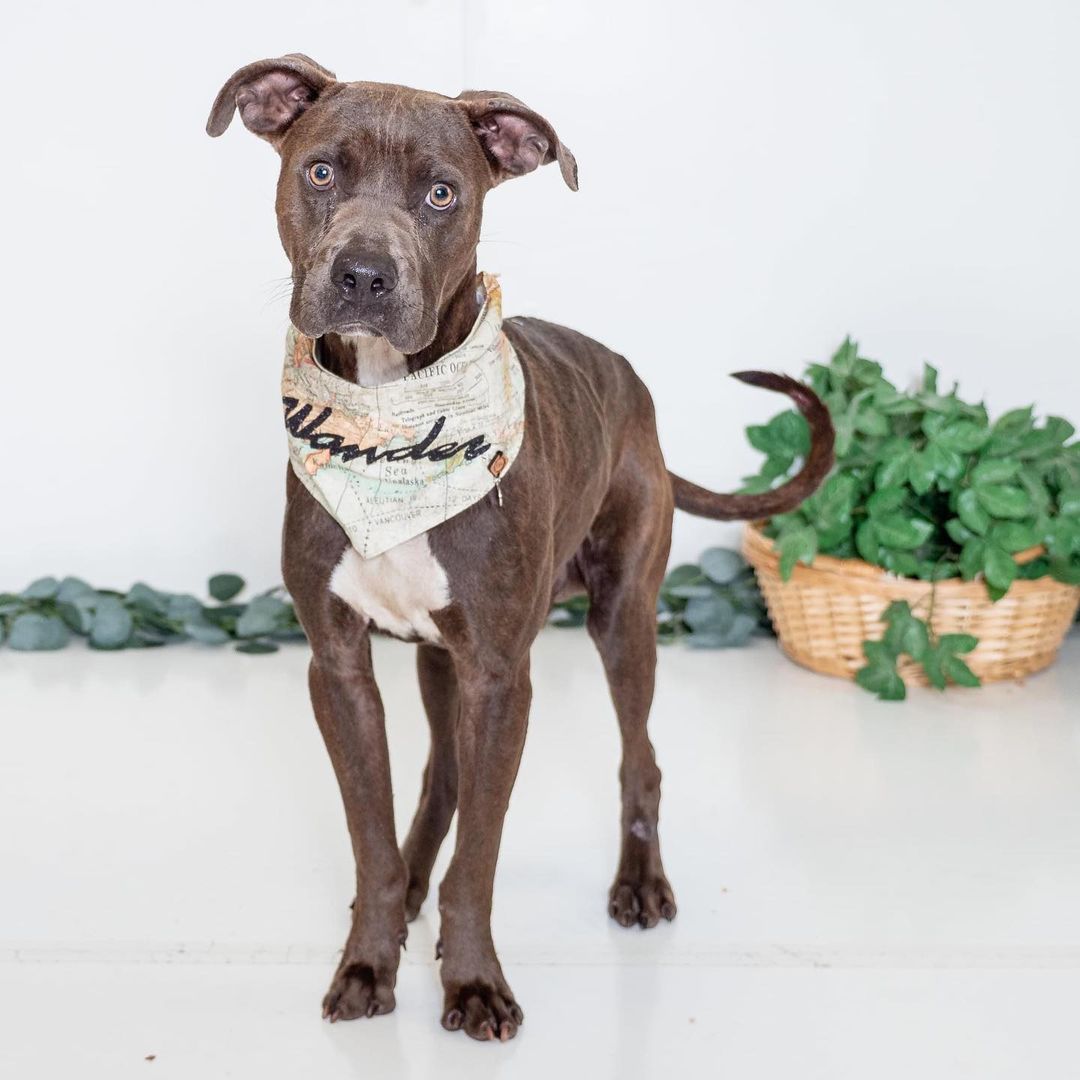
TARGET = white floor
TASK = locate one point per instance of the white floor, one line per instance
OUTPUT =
(865, 890)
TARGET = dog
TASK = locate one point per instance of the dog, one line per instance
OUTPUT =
(379, 206)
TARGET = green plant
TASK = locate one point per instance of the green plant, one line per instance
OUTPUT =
(712, 605)
(925, 485)
(907, 635)
(47, 613)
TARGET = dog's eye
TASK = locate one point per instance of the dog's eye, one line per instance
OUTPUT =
(441, 196)
(321, 175)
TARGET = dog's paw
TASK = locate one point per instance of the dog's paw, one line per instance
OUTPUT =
(358, 990)
(641, 903)
(484, 1012)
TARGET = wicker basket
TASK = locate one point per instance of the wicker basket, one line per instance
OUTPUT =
(824, 613)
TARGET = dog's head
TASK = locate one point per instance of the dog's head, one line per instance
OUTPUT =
(381, 189)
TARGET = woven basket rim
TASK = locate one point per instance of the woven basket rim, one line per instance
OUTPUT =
(855, 573)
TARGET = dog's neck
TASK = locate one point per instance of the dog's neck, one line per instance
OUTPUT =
(371, 361)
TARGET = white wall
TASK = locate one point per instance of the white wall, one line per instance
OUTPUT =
(757, 179)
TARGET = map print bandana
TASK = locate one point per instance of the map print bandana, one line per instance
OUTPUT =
(390, 462)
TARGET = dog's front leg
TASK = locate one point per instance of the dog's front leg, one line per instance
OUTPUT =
(490, 736)
(350, 715)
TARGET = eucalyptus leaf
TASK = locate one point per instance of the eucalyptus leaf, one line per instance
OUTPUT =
(256, 648)
(261, 616)
(43, 589)
(224, 587)
(33, 632)
(722, 565)
(72, 588)
(112, 624)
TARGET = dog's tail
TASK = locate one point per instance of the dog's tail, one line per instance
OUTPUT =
(711, 504)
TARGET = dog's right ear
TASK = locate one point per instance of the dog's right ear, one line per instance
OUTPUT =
(270, 95)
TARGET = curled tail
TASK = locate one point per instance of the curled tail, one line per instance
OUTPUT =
(711, 504)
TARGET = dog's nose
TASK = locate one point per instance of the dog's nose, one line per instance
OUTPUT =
(362, 277)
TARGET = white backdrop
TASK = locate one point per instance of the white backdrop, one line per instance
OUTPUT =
(758, 178)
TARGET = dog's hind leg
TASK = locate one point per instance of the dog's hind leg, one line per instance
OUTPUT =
(438, 796)
(624, 561)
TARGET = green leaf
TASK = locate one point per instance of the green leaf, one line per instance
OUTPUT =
(868, 421)
(713, 614)
(896, 531)
(1014, 422)
(994, 471)
(33, 632)
(885, 500)
(998, 567)
(181, 608)
(71, 588)
(224, 587)
(894, 467)
(1004, 500)
(958, 643)
(689, 592)
(1065, 571)
(880, 676)
(959, 672)
(112, 624)
(205, 632)
(256, 648)
(78, 614)
(1014, 536)
(796, 545)
(905, 633)
(722, 565)
(144, 598)
(922, 471)
(742, 626)
(1069, 502)
(786, 434)
(792, 432)
(971, 559)
(971, 512)
(935, 673)
(261, 616)
(901, 563)
(683, 574)
(843, 360)
(962, 436)
(867, 543)
(946, 464)
(43, 589)
(958, 532)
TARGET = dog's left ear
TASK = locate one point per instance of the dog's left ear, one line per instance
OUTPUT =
(515, 139)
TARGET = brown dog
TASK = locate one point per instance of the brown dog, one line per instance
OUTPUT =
(378, 205)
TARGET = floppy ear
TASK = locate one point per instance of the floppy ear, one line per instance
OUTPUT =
(515, 139)
(270, 95)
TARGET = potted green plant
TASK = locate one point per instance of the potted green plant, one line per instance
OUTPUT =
(943, 546)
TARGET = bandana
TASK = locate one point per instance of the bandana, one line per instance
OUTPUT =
(391, 462)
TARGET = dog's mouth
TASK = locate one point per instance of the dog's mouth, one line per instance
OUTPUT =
(355, 329)
(400, 319)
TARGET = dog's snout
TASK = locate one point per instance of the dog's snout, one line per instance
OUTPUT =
(362, 277)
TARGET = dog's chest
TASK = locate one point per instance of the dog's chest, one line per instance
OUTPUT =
(397, 590)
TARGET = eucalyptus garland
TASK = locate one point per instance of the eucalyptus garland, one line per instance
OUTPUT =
(715, 604)
(50, 612)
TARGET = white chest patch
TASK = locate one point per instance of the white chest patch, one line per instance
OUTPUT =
(397, 590)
